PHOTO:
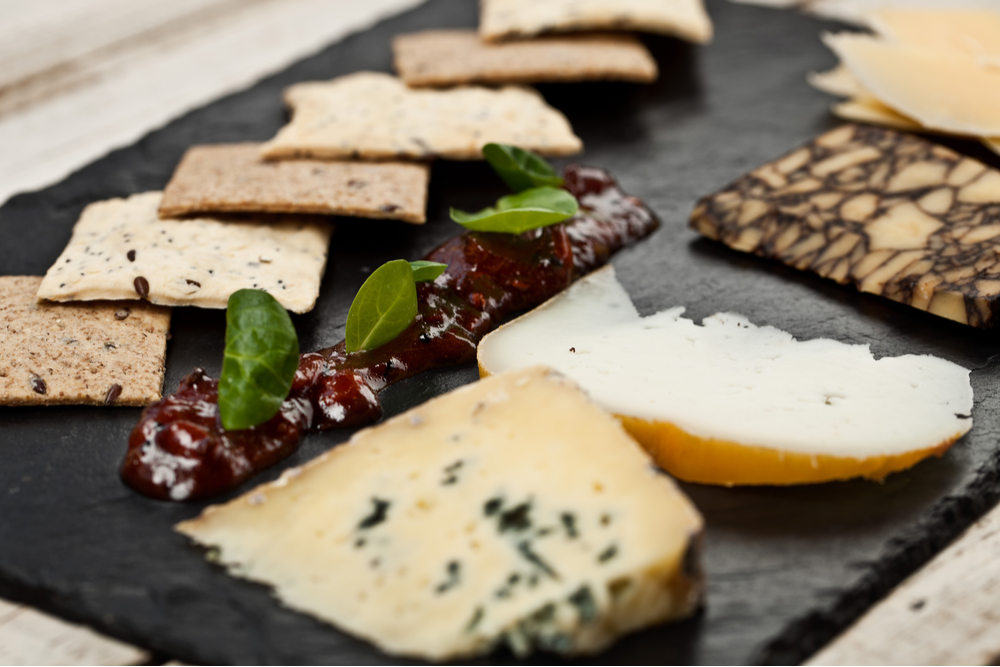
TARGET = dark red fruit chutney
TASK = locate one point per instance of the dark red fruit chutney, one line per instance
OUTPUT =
(179, 450)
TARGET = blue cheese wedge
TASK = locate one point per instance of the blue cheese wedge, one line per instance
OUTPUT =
(511, 511)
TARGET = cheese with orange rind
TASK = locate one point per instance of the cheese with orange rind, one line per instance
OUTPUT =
(796, 411)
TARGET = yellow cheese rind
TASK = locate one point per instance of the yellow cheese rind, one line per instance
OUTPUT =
(472, 546)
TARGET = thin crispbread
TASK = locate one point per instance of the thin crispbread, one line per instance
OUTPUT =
(371, 115)
(234, 178)
(120, 249)
(456, 57)
(518, 19)
(98, 353)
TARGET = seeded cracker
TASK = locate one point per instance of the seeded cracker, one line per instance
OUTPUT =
(98, 353)
(120, 249)
(375, 116)
(233, 178)
(453, 57)
(518, 19)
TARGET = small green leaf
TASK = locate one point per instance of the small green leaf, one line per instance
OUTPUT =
(515, 214)
(261, 357)
(520, 169)
(384, 306)
(424, 270)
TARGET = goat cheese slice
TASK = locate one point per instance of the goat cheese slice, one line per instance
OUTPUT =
(510, 510)
(729, 402)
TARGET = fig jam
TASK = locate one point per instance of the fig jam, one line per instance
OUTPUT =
(179, 450)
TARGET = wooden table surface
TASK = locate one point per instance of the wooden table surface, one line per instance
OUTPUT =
(81, 77)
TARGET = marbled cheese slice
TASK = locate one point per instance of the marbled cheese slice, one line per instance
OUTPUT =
(822, 403)
(511, 510)
(886, 212)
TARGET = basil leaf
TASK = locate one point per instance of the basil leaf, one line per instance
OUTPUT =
(261, 357)
(384, 306)
(515, 214)
(424, 270)
(520, 169)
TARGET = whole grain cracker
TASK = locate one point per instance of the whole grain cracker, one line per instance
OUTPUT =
(453, 57)
(98, 353)
(233, 178)
(121, 249)
(518, 19)
(375, 116)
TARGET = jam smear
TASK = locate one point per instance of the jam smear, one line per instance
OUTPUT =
(179, 450)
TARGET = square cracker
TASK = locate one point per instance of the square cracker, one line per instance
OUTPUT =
(233, 178)
(518, 19)
(77, 353)
(453, 57)
(120, 249)
(375, 116)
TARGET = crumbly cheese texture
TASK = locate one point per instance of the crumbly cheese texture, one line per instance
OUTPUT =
(889, 213)
(455, 57)
(512, 510)
(507, 19)
(371, 115)
(121, 249)
(99, 353)
(233, 178)
(811, 397)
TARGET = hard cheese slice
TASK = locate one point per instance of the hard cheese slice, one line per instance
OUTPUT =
(371, 115)
(886, 212)
(120, 249)
(511, 510)
(795, 412)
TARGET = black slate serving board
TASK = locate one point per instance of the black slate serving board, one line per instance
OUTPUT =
(787, 567)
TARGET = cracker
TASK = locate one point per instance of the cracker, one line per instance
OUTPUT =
(120, 249)
(375, 116)
(453, 57)
(233, 178)
(99, 353)
(518, 19)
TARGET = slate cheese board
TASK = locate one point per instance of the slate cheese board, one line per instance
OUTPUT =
(787, 568)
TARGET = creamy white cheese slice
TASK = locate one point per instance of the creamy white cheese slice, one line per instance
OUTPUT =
(731, 380)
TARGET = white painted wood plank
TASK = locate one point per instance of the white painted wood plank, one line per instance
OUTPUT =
(127, 92)
(28, 637)
(948, 613)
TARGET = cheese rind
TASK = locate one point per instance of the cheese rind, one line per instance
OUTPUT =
(511, 510)
(816, 397)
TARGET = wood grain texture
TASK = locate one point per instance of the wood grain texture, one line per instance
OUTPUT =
(85, 76)
(947, 613)
(28, 637)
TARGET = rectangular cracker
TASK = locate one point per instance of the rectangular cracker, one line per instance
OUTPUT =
(234, 178)
(372, 115)
(888, 213)
(520, 19)
(120, 249)
(78, 353)
(454, 57)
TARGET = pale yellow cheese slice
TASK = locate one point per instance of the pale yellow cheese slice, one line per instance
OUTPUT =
(946, 91)
(973, 32)
(512, 510)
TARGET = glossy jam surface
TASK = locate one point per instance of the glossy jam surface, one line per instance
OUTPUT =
(179, 451)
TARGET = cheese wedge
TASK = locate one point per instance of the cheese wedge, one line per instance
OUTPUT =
(729, 402)
(509, 511)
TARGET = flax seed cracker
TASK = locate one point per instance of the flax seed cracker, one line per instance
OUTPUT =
(518, 19)
(234, 178)
(375, 116)
(98, 353)
(120, 249)
(454, 57)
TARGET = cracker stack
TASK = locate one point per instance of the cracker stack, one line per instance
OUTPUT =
(924, 70)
